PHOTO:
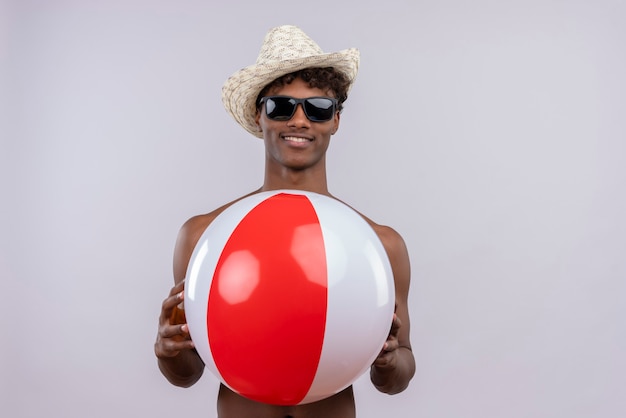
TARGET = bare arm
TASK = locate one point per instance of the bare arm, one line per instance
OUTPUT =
(395, 366)
(177, 358)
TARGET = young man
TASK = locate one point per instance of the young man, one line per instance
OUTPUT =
(266, 99)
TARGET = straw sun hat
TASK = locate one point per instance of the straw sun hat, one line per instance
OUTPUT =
(285, 49)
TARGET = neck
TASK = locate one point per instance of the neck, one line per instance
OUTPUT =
(285, 178)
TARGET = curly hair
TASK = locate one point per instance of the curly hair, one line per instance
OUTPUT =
(327, 79)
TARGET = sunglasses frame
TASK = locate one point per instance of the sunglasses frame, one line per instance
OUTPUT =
(301, 102)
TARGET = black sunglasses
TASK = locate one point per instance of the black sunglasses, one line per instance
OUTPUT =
(316, 109)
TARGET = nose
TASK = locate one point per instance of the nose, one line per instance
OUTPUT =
(299, 119)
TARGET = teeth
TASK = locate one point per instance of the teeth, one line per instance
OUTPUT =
(295, 139)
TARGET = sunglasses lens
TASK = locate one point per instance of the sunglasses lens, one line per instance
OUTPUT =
(280, 108)
(319, 109)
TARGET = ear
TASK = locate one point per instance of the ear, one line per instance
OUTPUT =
(336, 120)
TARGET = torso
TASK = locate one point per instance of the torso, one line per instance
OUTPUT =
(232, 405)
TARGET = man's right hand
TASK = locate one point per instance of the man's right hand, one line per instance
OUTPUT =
(173, 336)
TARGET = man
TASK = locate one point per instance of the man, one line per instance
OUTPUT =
(266, 99)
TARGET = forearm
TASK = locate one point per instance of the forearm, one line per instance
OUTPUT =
(394, 378)
(183, 370)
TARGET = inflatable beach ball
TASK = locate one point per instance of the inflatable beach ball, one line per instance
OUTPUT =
(289, 297)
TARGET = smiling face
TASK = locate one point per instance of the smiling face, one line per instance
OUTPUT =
(296, 144)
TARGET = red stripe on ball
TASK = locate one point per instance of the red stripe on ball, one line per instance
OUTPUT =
(267, 305)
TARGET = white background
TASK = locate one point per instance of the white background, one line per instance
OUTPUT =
(491, 134)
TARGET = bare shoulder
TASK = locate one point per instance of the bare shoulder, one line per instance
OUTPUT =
(396, 249)
(188, 237)
(193, 228)
(390, 238)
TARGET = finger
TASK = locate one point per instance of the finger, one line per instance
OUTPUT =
(178, 316)
(169, 304)
(385, 359)
(395, 326)
(171, 331)
(391, 345)
(396, 323)
(178, 287)
(171, 348)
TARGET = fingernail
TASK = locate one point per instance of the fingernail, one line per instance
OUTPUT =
(180, 295)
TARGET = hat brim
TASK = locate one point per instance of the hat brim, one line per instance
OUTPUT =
(240, 91)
